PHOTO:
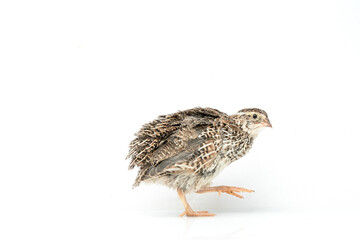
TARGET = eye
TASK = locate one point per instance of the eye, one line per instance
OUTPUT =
(254, 116)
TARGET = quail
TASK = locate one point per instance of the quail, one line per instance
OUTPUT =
(186, 150)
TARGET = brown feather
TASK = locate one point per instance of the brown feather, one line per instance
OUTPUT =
(168, 136)
(187, 149)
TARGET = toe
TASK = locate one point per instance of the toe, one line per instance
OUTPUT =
(199, 214)
(239, 189)
(236, 195)
(204, 214)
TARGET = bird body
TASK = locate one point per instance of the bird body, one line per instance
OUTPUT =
(187, 149)
(195, 168)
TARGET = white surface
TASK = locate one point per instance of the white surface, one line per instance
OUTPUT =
(79, 78)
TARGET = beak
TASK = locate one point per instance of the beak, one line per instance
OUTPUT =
(267, 123)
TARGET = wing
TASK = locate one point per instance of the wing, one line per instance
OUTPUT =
(171, 139)
(198, 156)
(167, 135)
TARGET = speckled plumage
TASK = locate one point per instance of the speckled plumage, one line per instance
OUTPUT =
(187, 149)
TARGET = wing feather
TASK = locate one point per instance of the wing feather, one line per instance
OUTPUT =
(155, 140)
(175, 142)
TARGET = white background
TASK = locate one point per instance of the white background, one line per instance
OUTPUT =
(79, 78)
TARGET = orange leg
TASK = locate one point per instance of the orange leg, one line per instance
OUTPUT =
(188, 211)
(225, 189)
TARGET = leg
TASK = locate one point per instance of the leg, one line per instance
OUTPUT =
(225, 189)
(188, 211)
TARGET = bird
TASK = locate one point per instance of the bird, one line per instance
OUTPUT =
(187, 149)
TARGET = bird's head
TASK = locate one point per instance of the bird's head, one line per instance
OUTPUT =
(252, 120)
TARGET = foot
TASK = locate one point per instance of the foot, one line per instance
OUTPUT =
(197, 214)
(226, 189)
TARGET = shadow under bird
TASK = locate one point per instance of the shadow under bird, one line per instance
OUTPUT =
(186, 150)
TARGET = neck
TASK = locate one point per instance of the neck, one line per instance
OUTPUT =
(242, 124)
(253, 132)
